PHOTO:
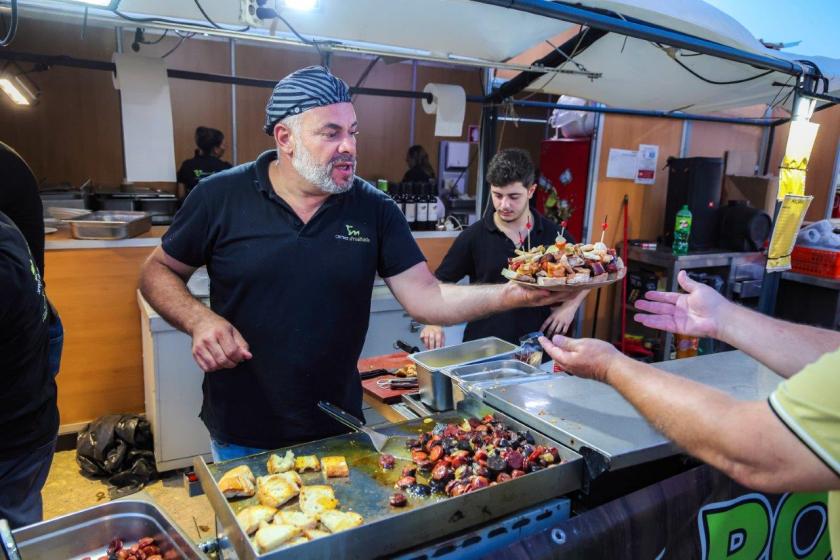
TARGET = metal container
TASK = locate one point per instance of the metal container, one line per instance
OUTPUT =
(476, 378)
(107, 224)
(435, 386)
(86, 533)
(386, 529)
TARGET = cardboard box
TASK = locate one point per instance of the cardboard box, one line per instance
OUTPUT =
(759, 191)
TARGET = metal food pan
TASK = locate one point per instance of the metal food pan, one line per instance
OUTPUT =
(86, 533)
(435, 387)
(475, 378)
(109, 224)
(387, 530)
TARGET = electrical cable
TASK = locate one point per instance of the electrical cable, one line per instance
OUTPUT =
(724, 83)
(213, 23)
(171, 21)
(309, 42)
(365, 74)
(175, 48)
(11, 32)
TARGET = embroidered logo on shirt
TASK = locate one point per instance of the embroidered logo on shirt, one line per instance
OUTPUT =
(353, 234)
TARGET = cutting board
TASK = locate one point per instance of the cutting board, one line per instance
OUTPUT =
(388, 361)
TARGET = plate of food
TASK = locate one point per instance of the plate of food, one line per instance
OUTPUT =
(564, 267)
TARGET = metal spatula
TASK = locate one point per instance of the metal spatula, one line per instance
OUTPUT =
(379, 440)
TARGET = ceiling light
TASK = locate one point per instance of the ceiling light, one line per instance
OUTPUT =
(15, 93)
(301, 5)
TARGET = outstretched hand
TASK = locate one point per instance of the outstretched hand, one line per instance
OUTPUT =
(585, 357)
(698, 312)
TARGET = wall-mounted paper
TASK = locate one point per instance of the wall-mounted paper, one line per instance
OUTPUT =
(448, 106)
(646, 159)
(148, 138)
(621, 164)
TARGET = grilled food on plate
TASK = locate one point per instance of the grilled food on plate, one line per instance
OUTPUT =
(277, 465)
(237, 482)
(251, 517)
(317, 499)
(306, 463)
(275, 490)
(296, 518)
(335, 467)
(291, 477)
(269, 537)
(564, 263)
(337, 521)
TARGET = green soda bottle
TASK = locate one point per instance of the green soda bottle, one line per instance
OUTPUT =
(682, 229)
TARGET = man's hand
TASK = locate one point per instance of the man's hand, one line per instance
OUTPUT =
(217, 344)
(516, 296)
(586, 357)
(559, 320)
(432, 336)
(696, 313)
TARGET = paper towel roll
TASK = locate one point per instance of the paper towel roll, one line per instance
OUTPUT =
(448, 106)
(148, 137)
(809, 236)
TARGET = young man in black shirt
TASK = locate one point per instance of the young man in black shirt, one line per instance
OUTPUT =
(292, 244)
(483, 249)
(28, 410)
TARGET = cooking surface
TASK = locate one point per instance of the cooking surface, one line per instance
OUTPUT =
(583, 413)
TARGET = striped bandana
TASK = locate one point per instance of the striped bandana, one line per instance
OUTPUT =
(301, 90)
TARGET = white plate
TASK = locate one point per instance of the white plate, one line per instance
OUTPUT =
(576, 287)
(48, 230)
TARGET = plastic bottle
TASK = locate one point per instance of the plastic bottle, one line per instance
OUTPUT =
(682, 230)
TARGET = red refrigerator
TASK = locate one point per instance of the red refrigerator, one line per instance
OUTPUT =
(564, 166)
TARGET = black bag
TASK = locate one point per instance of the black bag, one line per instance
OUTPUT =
(119, 448)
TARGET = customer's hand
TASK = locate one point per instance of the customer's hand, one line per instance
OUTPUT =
(585, 357)
(432, 336)
(698, 312)
(559, 321)
(217, 344)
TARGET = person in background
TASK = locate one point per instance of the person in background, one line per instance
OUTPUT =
(789, 443)
(206, 161)
(482, 251)
(31, 337)
(419, 168)
(293, 242)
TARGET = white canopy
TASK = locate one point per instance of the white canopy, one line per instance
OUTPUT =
(634, 73)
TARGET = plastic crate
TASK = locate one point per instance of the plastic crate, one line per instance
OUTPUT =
(816, 262)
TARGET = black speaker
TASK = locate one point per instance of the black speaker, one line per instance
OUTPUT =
(742, 227)
(696, 182)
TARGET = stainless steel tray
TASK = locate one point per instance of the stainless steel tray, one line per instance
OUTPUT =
(387, 530)
(88, 532)
(435, 387)
(476, 378)
(110, 224)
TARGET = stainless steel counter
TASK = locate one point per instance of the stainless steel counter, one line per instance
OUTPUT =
(586, 415)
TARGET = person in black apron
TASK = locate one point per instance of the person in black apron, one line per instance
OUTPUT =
(206, 161)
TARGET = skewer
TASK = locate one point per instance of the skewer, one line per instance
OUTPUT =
(528, 227)
(562, 228)
(603, 229)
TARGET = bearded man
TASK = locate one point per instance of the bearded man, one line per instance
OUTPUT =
(292, 243)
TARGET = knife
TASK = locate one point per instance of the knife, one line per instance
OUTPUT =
(405, 347)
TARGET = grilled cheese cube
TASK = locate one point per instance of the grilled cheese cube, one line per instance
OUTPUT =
(337, 521)
(317, 498)
(237, 482)
(291, 477)
(274, 490)
(277, 465)
(296, 518)
(297, 540)
(307, 463)
(250, 517)
(335, 467)
(269, 537)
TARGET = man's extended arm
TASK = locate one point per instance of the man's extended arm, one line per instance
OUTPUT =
(783, 347)
(743, 439)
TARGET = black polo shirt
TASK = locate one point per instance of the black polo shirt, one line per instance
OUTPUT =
(28, 411)
(481, 252)
(199, 167)
(299, 294)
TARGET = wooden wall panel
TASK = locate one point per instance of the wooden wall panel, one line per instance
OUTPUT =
(713, 139)
(647, 203)
(101, 367)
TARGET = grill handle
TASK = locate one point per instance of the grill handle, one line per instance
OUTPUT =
(347, 419)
